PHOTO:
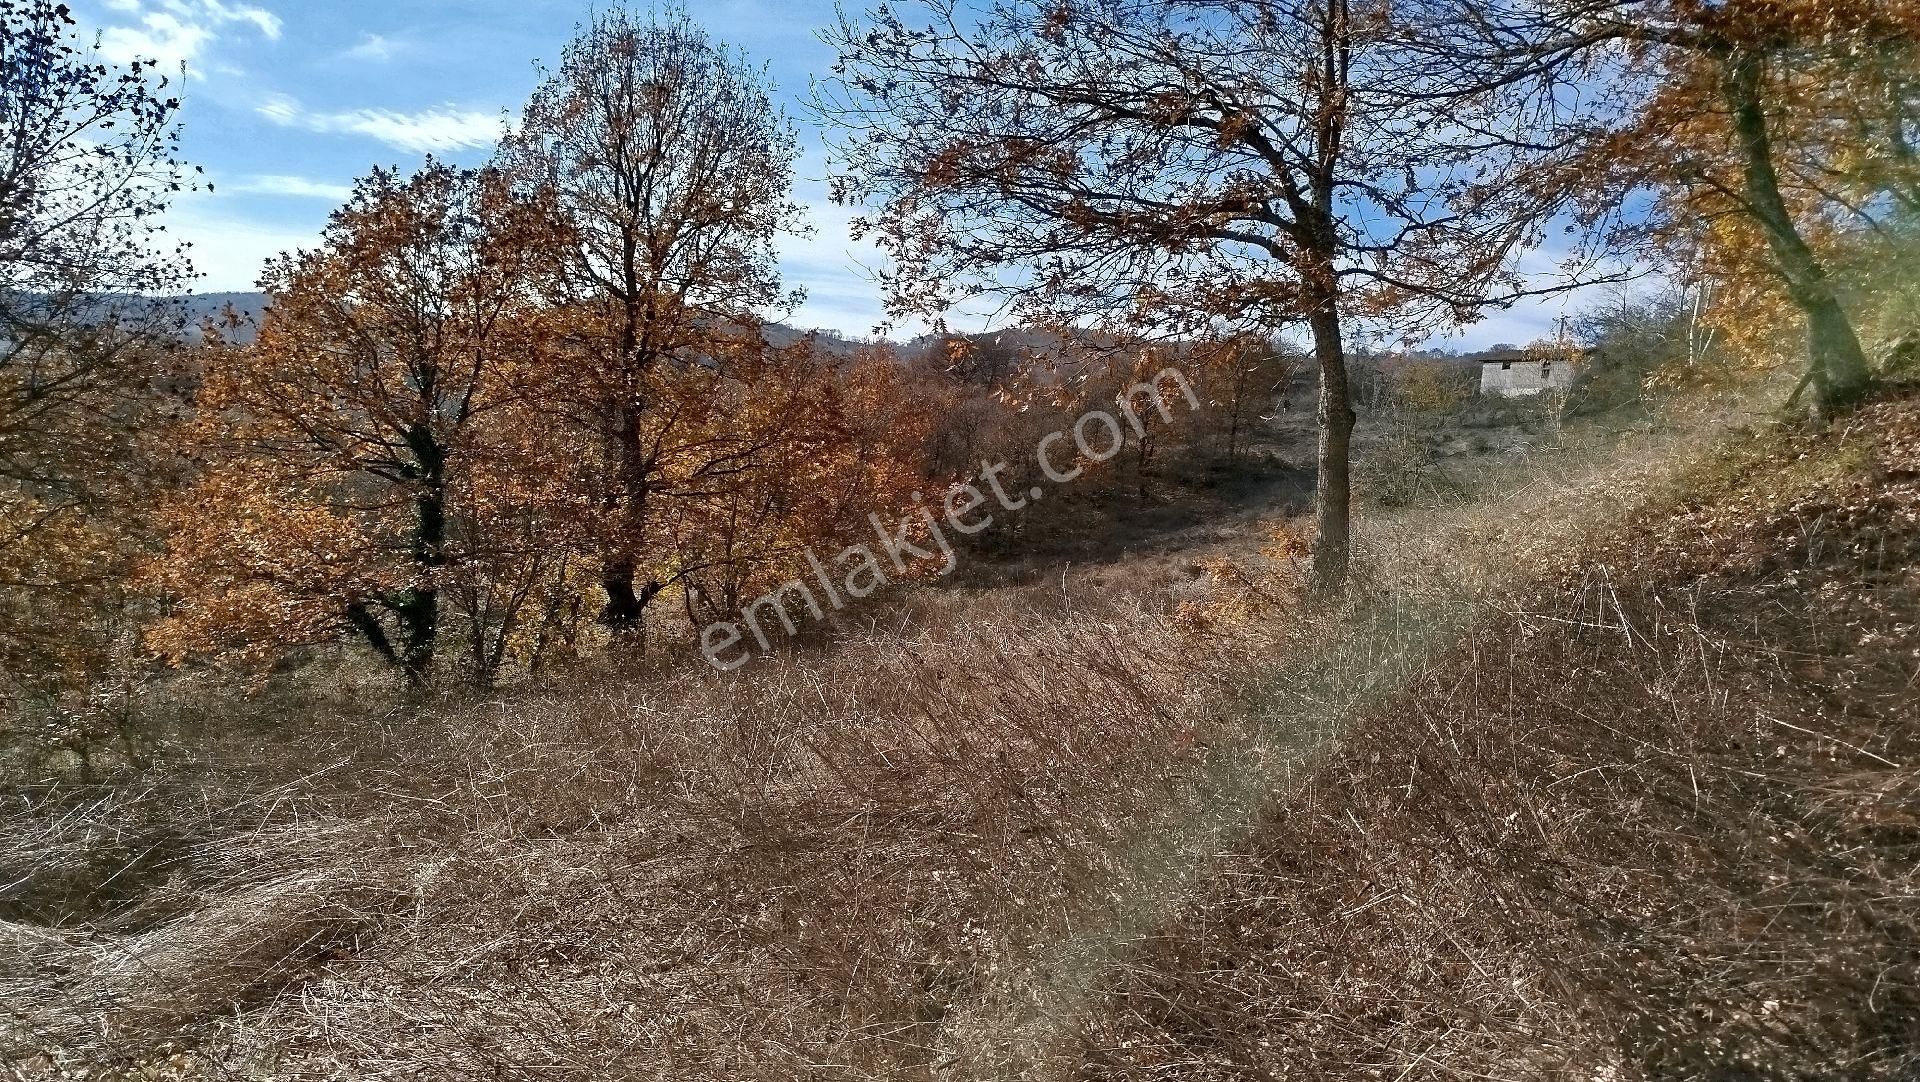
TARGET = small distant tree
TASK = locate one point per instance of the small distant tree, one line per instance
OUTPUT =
(664, 171)
(88, 160)
(1630, 339)
(826, 442)
(1114, 382)
(1242, 379)
(1411, 399)
(1431, 390)
(986, 361)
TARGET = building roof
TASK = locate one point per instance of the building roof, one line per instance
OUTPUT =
(1516, 356)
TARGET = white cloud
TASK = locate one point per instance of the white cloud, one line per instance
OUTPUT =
(280, 109)
(441, 129)
(159, 37)
(266, 21)
(229, 249)
(836, 271)
(434, 129)
(296, 187)
(176, 32)
(375, 49)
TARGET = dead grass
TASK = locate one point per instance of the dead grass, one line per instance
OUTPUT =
(744, 878)
(1030, 831)
(1651, 820)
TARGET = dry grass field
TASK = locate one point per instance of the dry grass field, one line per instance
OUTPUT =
(1307, 541)
(1545, 796)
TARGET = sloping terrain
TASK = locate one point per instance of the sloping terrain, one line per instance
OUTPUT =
(1552, 796)
(1660, 819)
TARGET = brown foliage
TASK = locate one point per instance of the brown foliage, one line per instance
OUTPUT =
(661, 172)
(489, 389)
(1162, 166)
(361, 454)
(1765, 133)
(88, 160)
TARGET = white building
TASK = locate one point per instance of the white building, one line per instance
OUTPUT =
(1518, 373)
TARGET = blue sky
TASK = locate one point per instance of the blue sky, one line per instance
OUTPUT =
(287, 101)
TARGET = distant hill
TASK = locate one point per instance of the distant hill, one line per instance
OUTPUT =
(201, 307)
(252, 307)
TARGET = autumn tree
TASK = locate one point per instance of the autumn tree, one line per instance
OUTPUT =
(986, 361)
(824, 441)
(1182, 167)
(1629, 339)
(483, 380)
(1762, 130)
(88, 160)
(664, 172)
(348, 450)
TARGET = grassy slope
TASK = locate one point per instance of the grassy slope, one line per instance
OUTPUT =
(1472, 824)
(1660, 819)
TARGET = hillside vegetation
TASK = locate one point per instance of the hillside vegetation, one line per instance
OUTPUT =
(508, 650)
(1548, 796)
(1652, 816)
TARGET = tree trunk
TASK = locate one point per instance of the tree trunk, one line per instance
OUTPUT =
(1333, 493)
(419, 612)
(1836, 365)
(1239, 403)
(1320, 281)
(625, 613)
(623, 610)
(1142, 459)
(368, 625)
(419, 608)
